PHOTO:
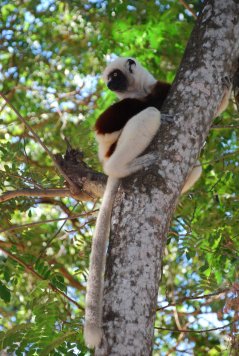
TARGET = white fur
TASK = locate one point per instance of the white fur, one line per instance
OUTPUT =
(92, 334)
(94, 293)
(140, 81)
(192, 178)
(224, 103)
(105, 141)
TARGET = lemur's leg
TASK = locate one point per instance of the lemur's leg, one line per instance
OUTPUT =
(193, 177)
(197, 170)
(227, 83)
(134, 139)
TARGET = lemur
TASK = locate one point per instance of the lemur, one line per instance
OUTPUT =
(123, 132)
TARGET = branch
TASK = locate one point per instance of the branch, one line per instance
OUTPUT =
(222, 127)
(196, 331)
(205, 296)
(38, 276)
(73, 282)
(92, 183)
(85, 183)
(29, 180)
(188, 8)
(221, 158)
(60, 205)
(54, 192)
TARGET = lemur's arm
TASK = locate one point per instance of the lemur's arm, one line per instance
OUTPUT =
(226, 97)
(195, 173)
(116, 116)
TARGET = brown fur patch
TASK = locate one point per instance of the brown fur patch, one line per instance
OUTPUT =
(111, 149)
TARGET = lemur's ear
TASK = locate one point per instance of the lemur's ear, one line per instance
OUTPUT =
(131, 63)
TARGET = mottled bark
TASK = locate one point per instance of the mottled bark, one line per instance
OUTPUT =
(146, 201)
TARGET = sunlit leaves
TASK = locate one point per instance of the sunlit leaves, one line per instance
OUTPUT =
(6, 10)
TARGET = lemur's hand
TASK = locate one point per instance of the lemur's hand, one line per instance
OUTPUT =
(227, 83)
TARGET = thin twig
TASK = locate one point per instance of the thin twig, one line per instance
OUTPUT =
(188, 8)
(72, 184)
(29, 180)
(59, 204)
(17, 227)
(38, 276)
(225, 156)
(196, 331)
(54, 192)
(73, 282)
(204, 296)
(54, 236)
(221, 127)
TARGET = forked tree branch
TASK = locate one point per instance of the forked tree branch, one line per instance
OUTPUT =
(91, 184)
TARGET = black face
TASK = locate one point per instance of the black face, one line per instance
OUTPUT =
(117, 81)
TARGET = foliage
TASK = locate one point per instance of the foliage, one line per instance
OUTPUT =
(52, 54)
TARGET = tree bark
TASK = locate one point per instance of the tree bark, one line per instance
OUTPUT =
(146, 201)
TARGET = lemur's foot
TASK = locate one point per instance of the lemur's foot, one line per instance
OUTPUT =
(227, 82)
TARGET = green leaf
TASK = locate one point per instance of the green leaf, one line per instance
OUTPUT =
(5, 293)
(204, 267)
(58, 341)
(6, 10)
(58, 281)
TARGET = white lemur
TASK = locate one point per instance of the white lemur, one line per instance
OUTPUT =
(123, 132)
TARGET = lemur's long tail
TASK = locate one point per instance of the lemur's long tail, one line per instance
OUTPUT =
(94, 294)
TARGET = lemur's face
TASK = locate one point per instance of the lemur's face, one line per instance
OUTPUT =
(127, 78)
(121, 76)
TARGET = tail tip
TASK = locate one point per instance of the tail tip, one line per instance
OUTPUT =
(92, 335)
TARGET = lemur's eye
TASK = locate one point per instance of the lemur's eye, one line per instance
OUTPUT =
(113, 75)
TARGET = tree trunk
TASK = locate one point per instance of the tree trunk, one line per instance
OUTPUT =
(146, 201)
